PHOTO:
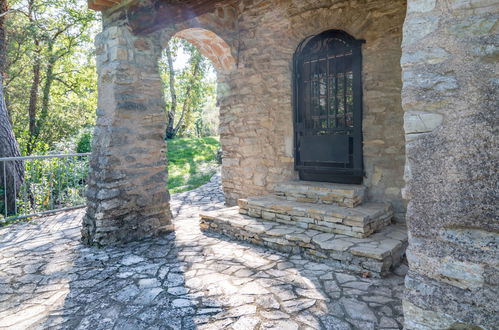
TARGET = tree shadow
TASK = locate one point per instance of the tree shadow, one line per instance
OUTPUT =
(51, 280)
(183, 280)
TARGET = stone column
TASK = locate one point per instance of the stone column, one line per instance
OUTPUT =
(127, 198)
(449, 97)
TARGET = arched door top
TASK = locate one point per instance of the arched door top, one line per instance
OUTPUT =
(328, 41)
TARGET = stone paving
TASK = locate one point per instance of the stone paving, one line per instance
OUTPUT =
(184, 280)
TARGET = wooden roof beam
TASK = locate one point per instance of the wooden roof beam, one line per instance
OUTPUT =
(162, 13)
(150, 16)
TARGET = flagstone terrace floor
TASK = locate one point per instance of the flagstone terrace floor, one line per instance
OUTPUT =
(184, 280)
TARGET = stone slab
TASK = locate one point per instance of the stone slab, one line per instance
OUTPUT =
(360, 221)
(377, 254)
(347, 195)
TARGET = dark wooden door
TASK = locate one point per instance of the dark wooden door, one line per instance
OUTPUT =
(328, 108)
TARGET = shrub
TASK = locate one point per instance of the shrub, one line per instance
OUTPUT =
(84, 141)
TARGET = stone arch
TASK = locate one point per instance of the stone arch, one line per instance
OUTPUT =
(211, 43)
(211, 46)
(450, 185)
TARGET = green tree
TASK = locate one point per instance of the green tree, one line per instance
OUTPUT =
(50, 55)
(11, 173)
(187, 89)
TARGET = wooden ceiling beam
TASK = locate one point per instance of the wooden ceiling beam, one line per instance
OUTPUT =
(150, 16)
(161, 13)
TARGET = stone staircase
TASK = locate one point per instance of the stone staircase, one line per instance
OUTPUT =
(325, 222)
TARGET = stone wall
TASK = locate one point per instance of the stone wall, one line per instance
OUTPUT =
(449, 97)
(252, 45)
(127, 197)
(380, 24)
(449, 61)
(256, 97)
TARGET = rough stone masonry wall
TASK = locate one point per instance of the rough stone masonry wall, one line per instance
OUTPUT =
(255, 97)
(258, 139)
(127, 197)
(450, 55)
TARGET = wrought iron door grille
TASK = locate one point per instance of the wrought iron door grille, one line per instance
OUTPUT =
(328, 107)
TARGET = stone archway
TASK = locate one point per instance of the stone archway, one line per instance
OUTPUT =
(127, 198)
(211, 46)
(448, 60)
(222, 56)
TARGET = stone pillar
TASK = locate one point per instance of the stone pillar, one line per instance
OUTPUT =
(127, 198)
(449, 97)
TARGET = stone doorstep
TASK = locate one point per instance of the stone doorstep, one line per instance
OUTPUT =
(377, 254)
(347, 195)
(360, 222)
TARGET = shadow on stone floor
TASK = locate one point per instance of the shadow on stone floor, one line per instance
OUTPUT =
(183, 280)
(49, 284)
(323, 297)
(137, 286)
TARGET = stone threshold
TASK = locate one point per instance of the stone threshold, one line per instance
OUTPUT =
(346, 195)
(360, 221)
(377, 254)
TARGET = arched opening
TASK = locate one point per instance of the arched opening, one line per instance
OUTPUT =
(210, 45)
(450, 187)
(193, 63)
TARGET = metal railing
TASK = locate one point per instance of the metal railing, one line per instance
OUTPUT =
(49, 184)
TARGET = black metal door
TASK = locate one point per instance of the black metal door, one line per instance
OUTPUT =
(328, 108)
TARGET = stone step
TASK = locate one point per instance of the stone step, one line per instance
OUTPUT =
(348, 195)
(377, 254)
(360, 222)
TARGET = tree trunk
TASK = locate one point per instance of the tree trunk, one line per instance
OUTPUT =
(49, 79)
(4, 7)
(170, 130)
(33, 103)
(14, 171)
(11, 173)
(33, 95)
(186, 105)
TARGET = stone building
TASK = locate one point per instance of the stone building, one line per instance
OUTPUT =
(342, 120)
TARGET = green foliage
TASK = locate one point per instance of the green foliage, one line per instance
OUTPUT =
(207, 119)
(52, 183)
(195, 88)
(84, 141)
(58, 35)
(191, 162)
